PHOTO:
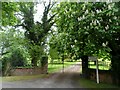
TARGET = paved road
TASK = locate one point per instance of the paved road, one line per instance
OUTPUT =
(68, 79)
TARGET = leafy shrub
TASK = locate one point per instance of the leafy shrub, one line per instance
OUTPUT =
(17, 58)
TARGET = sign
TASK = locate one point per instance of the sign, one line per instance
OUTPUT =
(91, 58)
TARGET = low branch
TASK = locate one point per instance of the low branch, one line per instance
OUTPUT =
(51, 17)
(18, 25)
(51, 24)
(52, 5)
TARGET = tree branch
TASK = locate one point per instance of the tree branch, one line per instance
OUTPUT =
(50, 19)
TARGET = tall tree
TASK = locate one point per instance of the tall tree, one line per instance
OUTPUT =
(77, 36)
(36, 32)
(91, 27)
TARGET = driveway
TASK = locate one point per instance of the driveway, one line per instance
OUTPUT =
(68, 79)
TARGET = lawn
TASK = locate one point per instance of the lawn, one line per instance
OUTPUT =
(56, 67)
(85, 83)
(100, 66)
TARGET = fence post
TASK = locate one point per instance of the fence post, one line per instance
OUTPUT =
(97, 75)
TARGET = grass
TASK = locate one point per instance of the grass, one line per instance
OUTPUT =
(56, 67)
(85, 83)
(100, 67)
(18, 78)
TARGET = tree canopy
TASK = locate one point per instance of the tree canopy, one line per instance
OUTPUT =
(91, 27)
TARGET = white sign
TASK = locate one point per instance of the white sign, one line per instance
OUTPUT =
(91, 58)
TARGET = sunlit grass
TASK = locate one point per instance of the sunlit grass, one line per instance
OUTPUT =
(56, 67)
(100, 67)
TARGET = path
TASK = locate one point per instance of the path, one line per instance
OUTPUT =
(68, 79)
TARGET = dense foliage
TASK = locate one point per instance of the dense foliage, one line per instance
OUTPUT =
(91, 29)
(22, 39)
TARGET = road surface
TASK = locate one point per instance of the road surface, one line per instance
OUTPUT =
(68, 79)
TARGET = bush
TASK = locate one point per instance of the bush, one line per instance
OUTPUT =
(44, 60)
(17, 59)
(6, 66)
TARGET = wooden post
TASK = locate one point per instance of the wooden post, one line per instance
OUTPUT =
(63, 63)
(63, 66)
(97, 75)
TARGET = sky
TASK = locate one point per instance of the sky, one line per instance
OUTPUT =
(39, 13)
(40, 9)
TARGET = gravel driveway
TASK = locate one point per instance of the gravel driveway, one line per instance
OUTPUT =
(68, 79)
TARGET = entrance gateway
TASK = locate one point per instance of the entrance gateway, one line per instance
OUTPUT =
(91, 58)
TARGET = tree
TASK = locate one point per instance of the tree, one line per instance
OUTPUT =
(12, 50)
(8, 13)
(11, 39)
(77, 35)
(107, 33)
(36, 32)
(58, 46)
(91, 27)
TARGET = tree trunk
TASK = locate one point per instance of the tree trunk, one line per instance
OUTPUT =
(85, 66)
(44, 64)
(34, 62)
(115, 68)
(94, 62)
(115, 63)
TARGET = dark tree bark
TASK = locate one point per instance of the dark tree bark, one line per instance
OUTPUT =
(85, 66)
(115, 63)
(34, 62)
(115, 68)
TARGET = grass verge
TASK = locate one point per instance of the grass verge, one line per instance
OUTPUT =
(85, 83)
(18, 78)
